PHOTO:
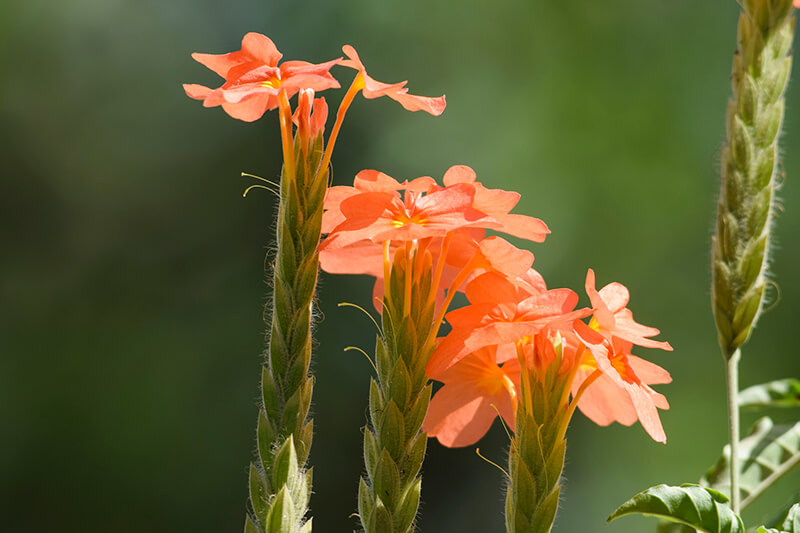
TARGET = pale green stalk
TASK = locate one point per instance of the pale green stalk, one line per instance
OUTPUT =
(761, 70)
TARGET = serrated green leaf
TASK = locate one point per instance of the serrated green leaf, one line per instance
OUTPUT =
(701, 508)
(780, 393)
(768, 452)
(762, 529)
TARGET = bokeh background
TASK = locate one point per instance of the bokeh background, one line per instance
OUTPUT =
(132, 278)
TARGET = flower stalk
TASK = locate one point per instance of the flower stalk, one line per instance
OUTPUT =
(394, 444)
(761, 68)
(536, 454)
(280, 484)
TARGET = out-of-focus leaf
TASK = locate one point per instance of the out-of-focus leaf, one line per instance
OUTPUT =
(702, 508)
(780, 393)
(792, 522)
(768, 452)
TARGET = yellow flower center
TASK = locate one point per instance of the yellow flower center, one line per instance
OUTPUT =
(272, 83)
(402, 219)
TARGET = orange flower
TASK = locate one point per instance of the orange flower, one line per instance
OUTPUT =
(379, 209)
(475, 390)
(621, 394)
(372, 88)
(612, 318)
(502, 312)
(373, 209)
(498, 203)
(253, 78)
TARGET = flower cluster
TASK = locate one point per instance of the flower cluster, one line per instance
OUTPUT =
(514, 326)
(369, 221)
(520, 323)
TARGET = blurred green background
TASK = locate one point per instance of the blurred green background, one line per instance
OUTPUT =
(132, 276)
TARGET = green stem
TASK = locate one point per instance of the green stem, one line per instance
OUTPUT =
(280, 484)
(732, 374)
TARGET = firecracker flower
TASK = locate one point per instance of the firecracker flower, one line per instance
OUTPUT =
(518, 320)
(378, 214)
(372, 88)
(475, 390)
(254, 79)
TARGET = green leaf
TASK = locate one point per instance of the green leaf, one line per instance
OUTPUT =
(701, 508)
(780, 393)
(665, 526)
(762, 529)
(792, 522)
(768, 452)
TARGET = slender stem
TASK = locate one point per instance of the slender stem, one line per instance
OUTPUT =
(732, 374)
(594, 376)
(769, 480)
(357, 85)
